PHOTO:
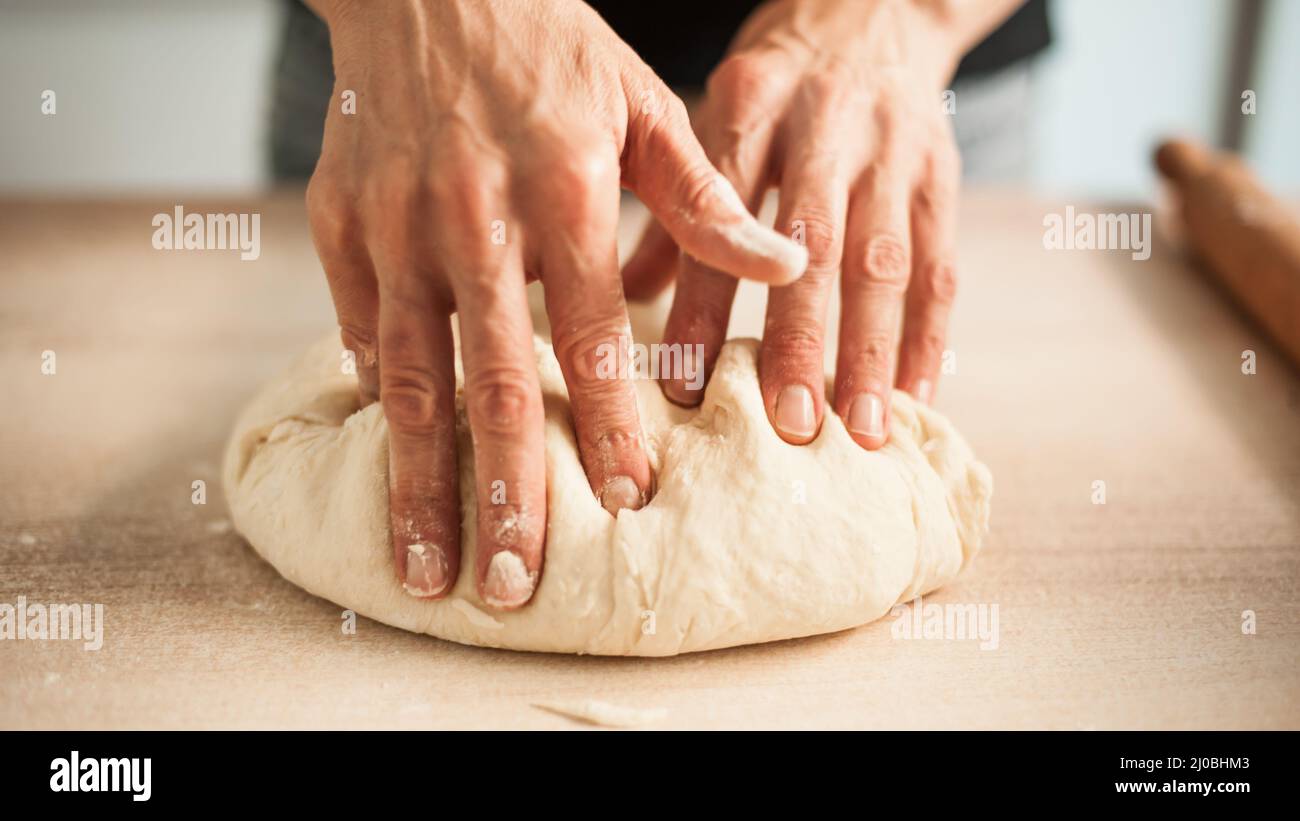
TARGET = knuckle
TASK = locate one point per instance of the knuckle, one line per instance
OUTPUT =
(798, 341)
(927, 345)
(329, 211)
(582, 171)
(700, 190)
(673, 112)
(410, 399)
(821, 238)
(489, 293)
(569, 158)
(499, 401)
(744, 80)
(941, 282)
(872, 358)
(467, 204)
(461, 192)
(732, 147)
(322, 193)
(662, 121)
(886, 263)
(606, 421)
(394, 197)
(663, 129)
(586, 182)
(592, 353)
(829, 83)
(937, 197)
(362, 341)
(663, 112)
(407, 296)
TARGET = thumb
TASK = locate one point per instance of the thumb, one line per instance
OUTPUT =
(666, 167)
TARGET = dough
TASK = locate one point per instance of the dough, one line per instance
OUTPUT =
(748, 539)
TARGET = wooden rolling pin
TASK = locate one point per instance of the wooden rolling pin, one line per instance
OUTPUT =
(1250, 241)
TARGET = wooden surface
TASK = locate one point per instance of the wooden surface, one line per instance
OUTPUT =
(1071, 367)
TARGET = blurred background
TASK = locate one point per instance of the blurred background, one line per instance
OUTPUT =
(157, 96)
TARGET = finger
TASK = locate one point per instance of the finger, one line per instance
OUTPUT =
(336, 233)
(504, 403)
(592, 342)
(667, 168)
(418, 391)
(695, 331)
(653, 265)
(877, 264)
(589, 322)
(738, 132)
(814, 201)
(934, 284)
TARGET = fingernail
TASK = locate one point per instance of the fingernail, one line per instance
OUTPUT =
(426, 570)
(508, 583)
(795, 414)
(867, 415)
(678, 394)
(923, 391)
(620, 493)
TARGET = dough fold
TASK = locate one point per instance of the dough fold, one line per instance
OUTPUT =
(747, 540)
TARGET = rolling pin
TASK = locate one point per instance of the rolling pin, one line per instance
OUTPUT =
(1249, 240)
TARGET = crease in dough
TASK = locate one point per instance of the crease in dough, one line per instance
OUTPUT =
(476, 617)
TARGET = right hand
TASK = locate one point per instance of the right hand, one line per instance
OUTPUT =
(487, 147)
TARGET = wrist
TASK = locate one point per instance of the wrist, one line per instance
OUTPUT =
(943, 19)
(336, 13)
(965, 23)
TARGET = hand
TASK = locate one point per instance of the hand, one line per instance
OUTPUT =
(487, 147)
(839, 105)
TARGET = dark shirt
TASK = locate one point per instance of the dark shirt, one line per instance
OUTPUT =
(682, 54)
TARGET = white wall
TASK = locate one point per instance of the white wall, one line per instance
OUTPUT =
(158, 95)
(1273, 146)
(1122, 74)
(152, 95)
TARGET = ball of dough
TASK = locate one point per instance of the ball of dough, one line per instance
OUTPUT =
(748, 539)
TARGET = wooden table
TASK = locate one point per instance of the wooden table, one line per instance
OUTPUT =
(1073, 367)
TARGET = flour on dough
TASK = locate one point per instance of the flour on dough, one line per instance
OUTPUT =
(748, 539)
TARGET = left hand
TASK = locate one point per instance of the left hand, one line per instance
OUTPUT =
(838, 104)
